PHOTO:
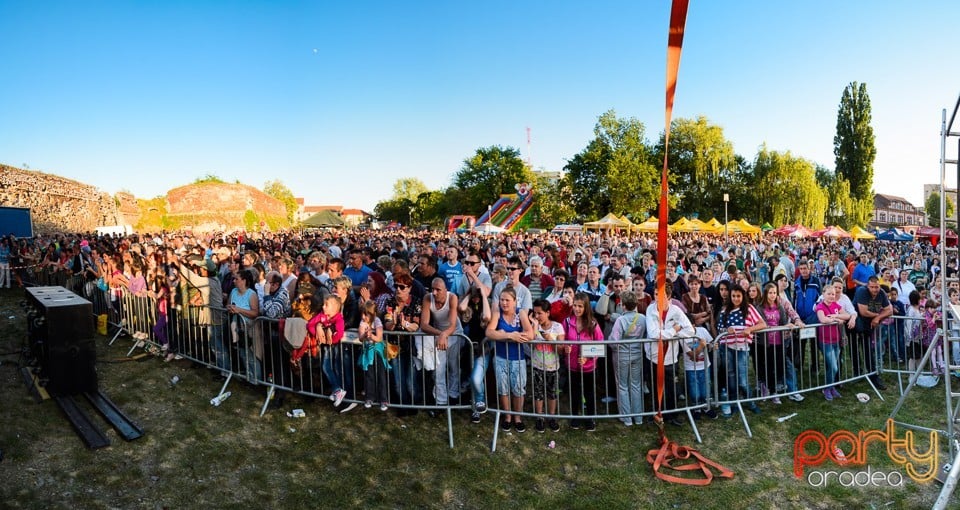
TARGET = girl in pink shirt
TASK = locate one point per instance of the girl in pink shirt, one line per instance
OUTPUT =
(831, 315)
(581, 327)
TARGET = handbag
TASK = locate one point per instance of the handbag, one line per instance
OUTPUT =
(102, 284)
(393, 350)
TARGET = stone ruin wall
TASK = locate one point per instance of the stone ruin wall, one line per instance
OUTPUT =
(57, 204)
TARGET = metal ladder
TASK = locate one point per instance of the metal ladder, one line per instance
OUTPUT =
(951, 337)
(949, 316)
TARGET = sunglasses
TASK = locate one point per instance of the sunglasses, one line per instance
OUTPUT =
(513, 268)
(470, 262)
(401, 286)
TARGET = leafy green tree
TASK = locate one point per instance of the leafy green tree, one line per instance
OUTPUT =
(432, 207)
(841, 207)
(394, 210)
(932, 207)
(281, 192)
(854, 150)
(587, 177)
(409, 188)
(614, 173)
(552, 203)
(702, 162)
(490, 172)
(789, 190)
(738, 183)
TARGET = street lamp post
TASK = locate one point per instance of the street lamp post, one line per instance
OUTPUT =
(726, 233)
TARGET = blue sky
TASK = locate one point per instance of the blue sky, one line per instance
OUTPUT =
(340, 99)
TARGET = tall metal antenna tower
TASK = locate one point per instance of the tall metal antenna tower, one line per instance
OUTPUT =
(529, 154)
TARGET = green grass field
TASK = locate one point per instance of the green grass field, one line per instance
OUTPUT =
(194, 455)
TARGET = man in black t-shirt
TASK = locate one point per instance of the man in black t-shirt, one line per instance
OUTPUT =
(873, 307)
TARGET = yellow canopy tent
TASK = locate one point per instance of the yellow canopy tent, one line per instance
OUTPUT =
(682, 225)
(713, 223)
(608, 222)
(630, 224)
(859, 233)
(742, 227)
(699, 226)
(650, 225)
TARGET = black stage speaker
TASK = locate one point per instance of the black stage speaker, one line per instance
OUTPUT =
(60, 326)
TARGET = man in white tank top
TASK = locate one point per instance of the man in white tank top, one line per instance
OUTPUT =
(440, 320)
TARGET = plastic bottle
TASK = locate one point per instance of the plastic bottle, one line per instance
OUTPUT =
(216, 401)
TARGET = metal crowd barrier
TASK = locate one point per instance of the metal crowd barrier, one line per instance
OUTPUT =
(258, 352)
(621, 385)
(901, 345)
(785, 361)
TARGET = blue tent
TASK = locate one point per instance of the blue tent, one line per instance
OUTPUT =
(894, 234)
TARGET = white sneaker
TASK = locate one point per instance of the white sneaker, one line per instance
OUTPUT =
(350, 407)
(338, 397)
(796, 397)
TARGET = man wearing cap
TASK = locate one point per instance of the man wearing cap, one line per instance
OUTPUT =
(207, 308)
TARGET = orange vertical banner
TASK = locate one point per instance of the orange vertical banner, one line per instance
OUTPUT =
(670, 456)
(678, 19)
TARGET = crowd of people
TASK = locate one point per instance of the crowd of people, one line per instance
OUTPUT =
(733, 302)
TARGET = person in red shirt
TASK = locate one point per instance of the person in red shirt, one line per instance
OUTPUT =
(851, 265)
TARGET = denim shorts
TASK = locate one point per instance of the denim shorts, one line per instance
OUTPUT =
(511, 377)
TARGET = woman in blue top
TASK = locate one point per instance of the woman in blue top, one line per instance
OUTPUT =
(245, 305)
(510, 327)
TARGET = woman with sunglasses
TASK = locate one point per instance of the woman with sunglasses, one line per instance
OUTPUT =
(401, 313)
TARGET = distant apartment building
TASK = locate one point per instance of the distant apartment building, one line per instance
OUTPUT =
(894, 211)
(354, 217)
